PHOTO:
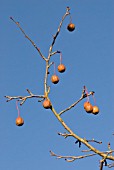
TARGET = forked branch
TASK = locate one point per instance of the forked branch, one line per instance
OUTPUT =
(74, 104)
(24, 98)
(71, 158)
(82, 140)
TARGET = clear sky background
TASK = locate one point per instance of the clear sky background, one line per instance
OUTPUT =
(88, 54)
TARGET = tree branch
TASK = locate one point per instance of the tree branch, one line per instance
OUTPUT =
(98, 152)
(65, 135)
(26, 36)
(53, 53)
(74, 104)
(23, 98)
(71, 158)
(93, 140)
(58, 31)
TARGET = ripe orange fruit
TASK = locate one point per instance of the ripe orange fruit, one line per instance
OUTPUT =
(71, 27)
(61, 68)
(88, 107)
(47, 104)
(95, 110)
(19, 121)
(55, 79)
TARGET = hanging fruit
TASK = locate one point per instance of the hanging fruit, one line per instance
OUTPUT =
(19, 121)
(88, 107)
(55, 79)
(95, 110)
(47, 104)
(71, 27)
(61, 68)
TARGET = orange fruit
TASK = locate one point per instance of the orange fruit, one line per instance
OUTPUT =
(88, 107)
(19, 121)
(95, 110)
(47, 104)
(71, 27)
(55, 79)
(61, 68)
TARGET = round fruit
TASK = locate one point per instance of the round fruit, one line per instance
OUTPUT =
(71, 27)
(61, 68)
(19, 121)
(47, 104)
(88, 107)
(95, 110)
(55, 79)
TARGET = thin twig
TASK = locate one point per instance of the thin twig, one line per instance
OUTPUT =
(89, 150)
(50, 64)
(55, 52)
(65, 135)
(93, 140)
(26, 36)
(71, 158)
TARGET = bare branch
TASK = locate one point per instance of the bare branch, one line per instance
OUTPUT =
(26, 36)
(23, 98)
(71, 158)
(93, 140)
(96, 151)
(50, 64)
(65, 135)
(101, 165)
(58, 31)
(55, 52)
(74, 104)
(89, 150)
(103, 161)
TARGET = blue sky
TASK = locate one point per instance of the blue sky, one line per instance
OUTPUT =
(88, 56)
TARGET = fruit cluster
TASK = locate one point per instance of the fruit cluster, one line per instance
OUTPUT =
(55, 78)
(61, 69)
(91, 109)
